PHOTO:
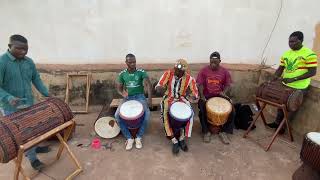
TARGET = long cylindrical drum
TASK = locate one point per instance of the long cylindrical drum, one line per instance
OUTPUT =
(29, 123)
(276, 92)
(218, 110)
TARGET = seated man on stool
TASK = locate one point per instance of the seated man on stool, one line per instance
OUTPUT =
(176, 83)
(214, 81)
(130, 85)
(297, 66)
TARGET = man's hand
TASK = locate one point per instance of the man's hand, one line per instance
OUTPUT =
(14, 101)
(203, 98)
(124, 94)
(275, 78)
(223, 95)
(288, 80)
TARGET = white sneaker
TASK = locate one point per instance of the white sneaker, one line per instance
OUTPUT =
(224, 138)
(138, 143)
(129, 144)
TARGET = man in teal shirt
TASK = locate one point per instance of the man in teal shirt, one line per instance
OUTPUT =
(130, 86)
(17, 74)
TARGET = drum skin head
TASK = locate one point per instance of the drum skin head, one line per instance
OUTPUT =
(219, 105)
(218, 110)
(314, 137)
(131, 110)
(180, 111)
(295, 100)
(106, 127)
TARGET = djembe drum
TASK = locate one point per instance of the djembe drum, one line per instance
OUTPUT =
(310, 155)
(218, 111)
(29, 123)
(310, 151)
(276, 92)
(179, 115)
(132, 113)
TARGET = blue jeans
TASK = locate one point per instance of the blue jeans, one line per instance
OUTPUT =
(124, 129)
(31, 153)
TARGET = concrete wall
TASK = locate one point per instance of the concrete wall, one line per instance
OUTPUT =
(99, 31)
(104, 75)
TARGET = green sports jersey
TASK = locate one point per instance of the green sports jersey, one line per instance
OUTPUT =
(296, 63)
(133, 82)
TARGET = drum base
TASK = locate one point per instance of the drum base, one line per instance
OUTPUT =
(214, 129)
(305, 172)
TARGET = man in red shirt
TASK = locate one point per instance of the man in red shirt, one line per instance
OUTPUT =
(214, 81)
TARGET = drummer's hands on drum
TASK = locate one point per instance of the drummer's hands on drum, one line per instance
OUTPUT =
(288, 80)
(224, 95)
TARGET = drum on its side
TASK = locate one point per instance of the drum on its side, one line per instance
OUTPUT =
(132, 113)
(29, 123)
(179, 114)
(106, 127)
(276, 92)
(218, 110)
(310, 151)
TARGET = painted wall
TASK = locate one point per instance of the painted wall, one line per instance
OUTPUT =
(98, 31)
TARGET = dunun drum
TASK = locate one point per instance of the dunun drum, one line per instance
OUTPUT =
(310, 151)
(132, 113)
(29, 123)
(276, 92)
(106, 127)
(218, 110)
(179, 115)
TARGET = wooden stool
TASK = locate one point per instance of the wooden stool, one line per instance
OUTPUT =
(67, 127)
(260, 113)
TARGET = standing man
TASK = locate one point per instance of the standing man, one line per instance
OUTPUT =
(214, 81)
(297, 66)
(17, 73)
(130, 85)
(177, 82)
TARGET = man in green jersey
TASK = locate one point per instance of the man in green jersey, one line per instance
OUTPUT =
(297, 66)
(130, 85)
